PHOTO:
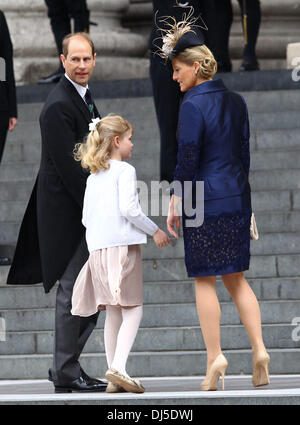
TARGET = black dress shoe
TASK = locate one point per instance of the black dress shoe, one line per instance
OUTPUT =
(53, 78)
(5, 261)
(85, 376)
(80, 385)
(89, 379)
(249, 66)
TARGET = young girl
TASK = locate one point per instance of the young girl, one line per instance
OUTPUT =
(111, 279)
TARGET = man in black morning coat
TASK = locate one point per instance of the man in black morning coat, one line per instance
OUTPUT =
(8, 100)
(51, 244)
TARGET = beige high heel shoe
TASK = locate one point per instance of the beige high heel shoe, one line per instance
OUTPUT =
(216, 370)
(261, 362)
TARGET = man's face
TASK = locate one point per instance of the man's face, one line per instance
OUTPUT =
(80, 62)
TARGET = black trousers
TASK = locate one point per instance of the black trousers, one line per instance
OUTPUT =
(71, 332)
(223, 21)
(61, 12)
(167, 99)
(4, 121)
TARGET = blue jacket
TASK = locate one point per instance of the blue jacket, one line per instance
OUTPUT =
(213, 140)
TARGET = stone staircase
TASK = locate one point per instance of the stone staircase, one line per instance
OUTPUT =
(169, 342)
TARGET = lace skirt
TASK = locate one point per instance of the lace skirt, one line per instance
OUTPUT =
(111, 276)
(221, 245)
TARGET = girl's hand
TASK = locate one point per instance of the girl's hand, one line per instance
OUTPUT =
(173, 216)
(12, 123)
(161, 239)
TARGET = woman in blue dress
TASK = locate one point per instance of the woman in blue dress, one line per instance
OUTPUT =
(213, 147)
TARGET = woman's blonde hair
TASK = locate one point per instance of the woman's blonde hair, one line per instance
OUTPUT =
(201, 54)
(95, 152)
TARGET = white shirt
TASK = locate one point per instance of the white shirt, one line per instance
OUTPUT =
(112, 214)
(81, 90)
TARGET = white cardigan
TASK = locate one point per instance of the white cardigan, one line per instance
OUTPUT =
(112, 214)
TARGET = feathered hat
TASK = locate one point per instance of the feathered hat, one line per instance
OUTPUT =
(178, 36)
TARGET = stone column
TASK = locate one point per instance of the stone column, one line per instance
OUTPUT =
(118, 49)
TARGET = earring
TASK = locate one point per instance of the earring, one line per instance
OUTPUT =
(196, 72)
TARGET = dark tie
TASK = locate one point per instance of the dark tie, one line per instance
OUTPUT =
(89, 102)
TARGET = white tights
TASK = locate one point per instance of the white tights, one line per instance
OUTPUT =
(120, 329)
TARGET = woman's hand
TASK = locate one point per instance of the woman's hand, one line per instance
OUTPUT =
(161, 239)
(173, 216)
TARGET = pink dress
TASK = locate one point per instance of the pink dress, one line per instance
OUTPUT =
(111, 276)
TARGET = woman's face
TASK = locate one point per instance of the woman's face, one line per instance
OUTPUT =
(184, 74)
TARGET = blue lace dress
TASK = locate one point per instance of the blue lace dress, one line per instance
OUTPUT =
(213, 147)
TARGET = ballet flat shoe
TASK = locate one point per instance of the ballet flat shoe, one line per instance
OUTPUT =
(216, 370)
(127, 383)
(261, 369)
(114, 388)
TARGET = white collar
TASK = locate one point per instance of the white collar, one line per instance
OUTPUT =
(81, 90)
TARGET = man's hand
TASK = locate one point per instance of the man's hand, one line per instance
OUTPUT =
(161, 239)
(12, 123)
(173, 216)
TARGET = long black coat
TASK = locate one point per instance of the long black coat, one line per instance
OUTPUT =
(8, 103)
(51, 228)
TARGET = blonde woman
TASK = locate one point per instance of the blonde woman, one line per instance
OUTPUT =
(213, 147)
(111, 279)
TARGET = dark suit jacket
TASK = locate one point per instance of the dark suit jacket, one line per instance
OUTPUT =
(8, 102)
(51, 229)
(213, 140)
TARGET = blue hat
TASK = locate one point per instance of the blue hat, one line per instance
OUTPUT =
(189, 39)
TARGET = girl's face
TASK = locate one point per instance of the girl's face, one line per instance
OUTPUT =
(125, 145)
(185, 75)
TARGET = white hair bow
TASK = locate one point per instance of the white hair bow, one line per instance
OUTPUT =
(93, 124)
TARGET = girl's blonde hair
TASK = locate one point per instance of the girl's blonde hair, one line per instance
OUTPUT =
(201, 54)
(95, 152)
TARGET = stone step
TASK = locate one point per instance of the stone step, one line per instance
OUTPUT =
(275, 179)
(177, 391)
(268, 244)
(136, 109)
(170, 363)
(11, 214)
(157, 315)
(155, 339)
(276, 139)
(272, 101)
(167, 292)
(279, 179)
(260, 267)
(287, 154)
(266, 160)
(14, 172)
(28, 151)
(257, 101)
(160, 269)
